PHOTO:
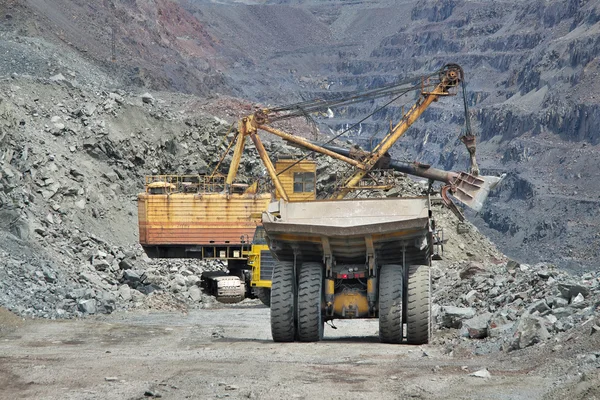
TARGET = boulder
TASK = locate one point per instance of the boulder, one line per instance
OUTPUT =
(452, 317)
(147, 98)
(87, 306)
(195, 293)
(568, 290)
(124, 292)
(528, 331)
(476, 327)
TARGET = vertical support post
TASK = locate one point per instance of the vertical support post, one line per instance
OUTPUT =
(262, 152)
(237, 153)
(329, 280)
(329, 296)
(372, 276)
(327, 257)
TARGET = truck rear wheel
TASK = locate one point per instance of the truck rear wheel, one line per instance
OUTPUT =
(310, 302)
(418, 305)
(390, 303)
(283, 302)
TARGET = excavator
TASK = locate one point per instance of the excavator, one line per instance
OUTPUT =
(202, 217)
(345, 257)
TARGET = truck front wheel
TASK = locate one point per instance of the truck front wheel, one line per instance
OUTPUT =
(264, 295)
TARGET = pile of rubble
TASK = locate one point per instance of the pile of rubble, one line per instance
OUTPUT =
(512, 306)
(100, 279)
(72, 161)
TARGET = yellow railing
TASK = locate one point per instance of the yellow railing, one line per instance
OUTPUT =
(157, 184)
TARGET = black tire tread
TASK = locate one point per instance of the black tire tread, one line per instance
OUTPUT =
(283, 305)
(390, 304)
(418, 305)
(264, 295)
(310, 295)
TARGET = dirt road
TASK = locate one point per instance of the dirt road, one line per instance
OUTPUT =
(228, 353)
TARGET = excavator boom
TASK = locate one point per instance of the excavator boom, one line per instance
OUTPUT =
(471, 190)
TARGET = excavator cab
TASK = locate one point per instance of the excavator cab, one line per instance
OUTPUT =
(298, 178)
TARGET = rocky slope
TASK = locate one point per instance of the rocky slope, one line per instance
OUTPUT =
(531, 71)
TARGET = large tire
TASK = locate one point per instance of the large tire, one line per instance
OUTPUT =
(390, 303)
(310, 302)
(283, 302)
(418, 305)
(264, 295)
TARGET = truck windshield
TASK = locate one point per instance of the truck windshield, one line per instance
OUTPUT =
(260, 236)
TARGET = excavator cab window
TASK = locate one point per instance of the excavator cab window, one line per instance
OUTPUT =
(304, 182)
(260, 236)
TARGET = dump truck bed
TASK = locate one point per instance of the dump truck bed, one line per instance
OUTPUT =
(396, 229)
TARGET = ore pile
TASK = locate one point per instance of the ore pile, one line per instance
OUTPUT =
(511, 306)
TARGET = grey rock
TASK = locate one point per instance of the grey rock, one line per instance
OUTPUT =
(192, 280)
(569, 290)
(100, 265)
(76, 293)
(89, 109)
(529, 330)
(473, 268)
(558, 302)
(92, 278)
(126, 264)
(131, 275)
(87, 306)
(452, 317)
(178, 280)
(195, 293)
(577, 299)
(80, 204)
(539, 306)
(482, 373)
(117, 98)
(562, 312)
(112, 176)
(125, 292)
(501, 331)
(49, 276)
(147, 98)
(57, 78)
(476, 327)
(137, 296)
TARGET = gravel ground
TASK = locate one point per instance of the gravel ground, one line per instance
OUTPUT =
(228, 352)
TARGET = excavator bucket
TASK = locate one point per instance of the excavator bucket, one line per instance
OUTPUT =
(473, 190)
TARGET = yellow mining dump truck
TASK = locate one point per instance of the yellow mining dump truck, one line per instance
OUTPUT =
(366, 258)
(202, 217)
